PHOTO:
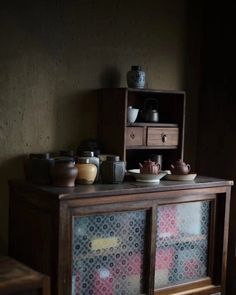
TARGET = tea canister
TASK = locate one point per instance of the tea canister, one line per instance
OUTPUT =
(64, 172)
(37, 168)
(136, 77)
(92, 159)
(87, 171)
(112, 170)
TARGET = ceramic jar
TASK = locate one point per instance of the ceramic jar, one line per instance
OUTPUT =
(92, 160)
(37, 168)
(112, 170)
(64, 172)
(136, 77)
(87, 172)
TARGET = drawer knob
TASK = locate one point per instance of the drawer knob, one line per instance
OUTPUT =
(132, 135)
(164, 138)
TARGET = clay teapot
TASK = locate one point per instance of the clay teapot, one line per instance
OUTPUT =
(180, 168)
(149, 167)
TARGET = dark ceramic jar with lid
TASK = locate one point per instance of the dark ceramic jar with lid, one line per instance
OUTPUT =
(136, 77)
(112, 170)
(37, 168)
(64, 172)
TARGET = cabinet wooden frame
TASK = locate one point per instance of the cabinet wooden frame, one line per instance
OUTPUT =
(34, 207)
(207, 283)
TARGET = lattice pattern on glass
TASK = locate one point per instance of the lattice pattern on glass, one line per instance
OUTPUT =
(182, 243)
(108, 252)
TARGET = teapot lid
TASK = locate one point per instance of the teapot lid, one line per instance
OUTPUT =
(149, 162)
(180, 161)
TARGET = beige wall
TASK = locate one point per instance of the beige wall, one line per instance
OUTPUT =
(53, 54)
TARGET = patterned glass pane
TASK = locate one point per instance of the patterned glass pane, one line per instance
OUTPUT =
(108, 252)
(182, 243)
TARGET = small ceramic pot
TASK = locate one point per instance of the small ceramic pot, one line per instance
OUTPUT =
(112, 170)
(37, 168)
(92, 160)
(136, 77)
(149, 167)
(64, 172)
(87, 172)
(180, 168)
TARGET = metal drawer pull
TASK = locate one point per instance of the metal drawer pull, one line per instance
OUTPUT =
(132, 135)
(164, 138)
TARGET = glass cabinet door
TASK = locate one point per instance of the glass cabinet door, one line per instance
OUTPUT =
(182, 243)
(108, 254)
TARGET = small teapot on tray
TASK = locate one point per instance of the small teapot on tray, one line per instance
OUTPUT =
(149, 167)
(180, 168)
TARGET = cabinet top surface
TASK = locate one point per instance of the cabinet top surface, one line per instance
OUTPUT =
(94, 190)
(146, 90)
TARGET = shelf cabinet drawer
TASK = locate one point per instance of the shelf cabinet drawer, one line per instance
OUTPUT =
(162, 137)
(135, 136)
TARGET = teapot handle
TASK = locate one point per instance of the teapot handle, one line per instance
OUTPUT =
(150, 99)
(172, 166)
(189, 167)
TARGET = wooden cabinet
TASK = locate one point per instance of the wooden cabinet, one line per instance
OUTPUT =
(132, 238)
(135, 142)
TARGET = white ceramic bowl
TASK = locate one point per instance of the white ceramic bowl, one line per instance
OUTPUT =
(132, 114)
(142, 177)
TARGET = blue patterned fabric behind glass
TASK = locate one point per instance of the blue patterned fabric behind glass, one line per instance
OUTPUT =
(108, 253)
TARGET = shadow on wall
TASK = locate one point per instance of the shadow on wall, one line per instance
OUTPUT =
(9, 169)
(110, 78)
(76, 119)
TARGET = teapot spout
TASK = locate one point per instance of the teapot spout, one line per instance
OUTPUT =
(140, 165)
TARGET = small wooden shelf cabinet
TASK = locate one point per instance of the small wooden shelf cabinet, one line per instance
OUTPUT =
(126, 239)
(135, 142)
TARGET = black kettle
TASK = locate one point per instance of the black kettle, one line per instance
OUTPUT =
(150, 110)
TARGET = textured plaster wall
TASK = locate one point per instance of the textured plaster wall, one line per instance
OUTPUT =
(53, 54)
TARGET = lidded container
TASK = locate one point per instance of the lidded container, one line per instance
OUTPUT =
(92, 159)
(37, 168)
(64, 172)
(136, 77)
(112, 170)
(87, 171)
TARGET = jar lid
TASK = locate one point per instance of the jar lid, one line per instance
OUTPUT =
(113, 158)
(40, 156)
(88, 153)
(136, 68)
(64, 160)
(83, 160)
(67, 153)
